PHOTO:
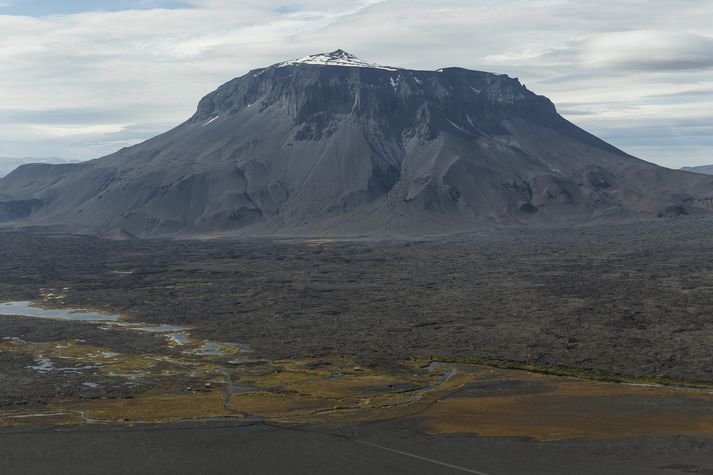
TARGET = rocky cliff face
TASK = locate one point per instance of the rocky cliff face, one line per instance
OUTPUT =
(330, 144)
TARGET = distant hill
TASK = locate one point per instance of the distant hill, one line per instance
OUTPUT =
(7, 164)
(704, 169)
(331, 144)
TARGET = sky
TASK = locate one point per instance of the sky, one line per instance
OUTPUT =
(80, 79)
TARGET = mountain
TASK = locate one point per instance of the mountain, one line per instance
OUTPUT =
(705, 169)
(330, 144)
(9, 164)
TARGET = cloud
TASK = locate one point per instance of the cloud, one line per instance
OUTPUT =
(64, 130)
(85, 84)
(648, 50)
(642, 50)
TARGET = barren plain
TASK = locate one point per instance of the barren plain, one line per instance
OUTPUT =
(582, 348)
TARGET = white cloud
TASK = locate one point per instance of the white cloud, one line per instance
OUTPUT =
(72, 131)
(84, 85)
(648, 50)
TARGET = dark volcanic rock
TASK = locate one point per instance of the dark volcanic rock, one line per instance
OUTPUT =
(332, 145)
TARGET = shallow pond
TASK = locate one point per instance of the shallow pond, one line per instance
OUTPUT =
(25, 309)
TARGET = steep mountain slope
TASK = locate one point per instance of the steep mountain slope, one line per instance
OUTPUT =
(332, 144)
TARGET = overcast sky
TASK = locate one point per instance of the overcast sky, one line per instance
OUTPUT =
(82, 78)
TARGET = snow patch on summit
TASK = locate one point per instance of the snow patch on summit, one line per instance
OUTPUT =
(335, 58)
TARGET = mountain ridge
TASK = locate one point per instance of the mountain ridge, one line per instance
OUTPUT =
(331, 144)
(705, 169)
(8, 164)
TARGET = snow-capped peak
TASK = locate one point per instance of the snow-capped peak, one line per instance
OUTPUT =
(336, 58)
